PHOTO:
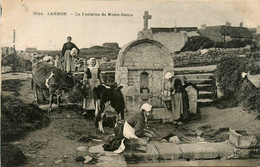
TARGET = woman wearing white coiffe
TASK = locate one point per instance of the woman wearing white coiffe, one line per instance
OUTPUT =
(92, 76)
(134, 126)
(167, 94)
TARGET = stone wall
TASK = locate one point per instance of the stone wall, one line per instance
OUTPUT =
(195, 58)
(172, 41)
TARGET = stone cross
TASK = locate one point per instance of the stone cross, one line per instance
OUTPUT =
(146, 17)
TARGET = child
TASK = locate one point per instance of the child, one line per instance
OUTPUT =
(57, 62)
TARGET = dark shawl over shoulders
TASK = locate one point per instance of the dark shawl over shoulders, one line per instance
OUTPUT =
(89, 75)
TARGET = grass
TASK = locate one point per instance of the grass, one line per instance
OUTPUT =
(17, 119)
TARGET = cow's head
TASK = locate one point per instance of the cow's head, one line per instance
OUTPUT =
(80, 88)
(115, 87)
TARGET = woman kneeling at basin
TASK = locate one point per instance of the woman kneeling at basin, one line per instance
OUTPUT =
(133, 128)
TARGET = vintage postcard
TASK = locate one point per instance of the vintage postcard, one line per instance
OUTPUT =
(130, 83)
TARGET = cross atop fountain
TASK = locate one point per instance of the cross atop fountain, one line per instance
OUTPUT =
(146, 17)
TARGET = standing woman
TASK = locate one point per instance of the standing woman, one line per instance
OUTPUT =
(69, 51)
(180, 102)
(93, 77)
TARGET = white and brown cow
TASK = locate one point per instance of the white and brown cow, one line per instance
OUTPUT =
(108, 94)
(48, 77)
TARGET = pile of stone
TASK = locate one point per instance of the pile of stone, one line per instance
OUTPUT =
(207, 56)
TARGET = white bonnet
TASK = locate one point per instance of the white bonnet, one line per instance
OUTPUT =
(146, 107)
(168, 75)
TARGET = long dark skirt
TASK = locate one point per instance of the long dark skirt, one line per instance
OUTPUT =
(116, 141)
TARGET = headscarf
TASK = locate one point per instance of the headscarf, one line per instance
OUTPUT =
(146, 107)
(90, 63)
(74, 52)
(168, 75)
(48, 59)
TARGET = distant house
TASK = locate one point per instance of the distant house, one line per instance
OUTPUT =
(7, 50)
(226, 32)
(31, 50)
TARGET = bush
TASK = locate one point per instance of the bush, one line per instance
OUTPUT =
(235, 88)
(250, 96)
(238, 43)
(196, 43)
(11, 156)
(19, 118)
(229, 75)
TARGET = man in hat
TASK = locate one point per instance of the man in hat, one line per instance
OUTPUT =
(68, 47)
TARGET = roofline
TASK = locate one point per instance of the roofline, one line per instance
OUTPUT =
(172, 27)
(226, 26)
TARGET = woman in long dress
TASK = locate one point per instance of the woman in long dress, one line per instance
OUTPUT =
(179, 102)
(92, 76)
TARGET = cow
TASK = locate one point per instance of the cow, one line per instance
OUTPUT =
(104, 94)
(48, 77)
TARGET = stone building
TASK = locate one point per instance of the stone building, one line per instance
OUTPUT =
(174, 38)
(256, 36)
(224, 33)
(140, 69)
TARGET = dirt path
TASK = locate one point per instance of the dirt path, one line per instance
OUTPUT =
(60, 139)
(235, 118)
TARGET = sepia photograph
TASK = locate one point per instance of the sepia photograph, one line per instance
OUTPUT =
(113, 83)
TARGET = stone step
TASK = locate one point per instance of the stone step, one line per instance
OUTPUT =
(205, 87)
(192, 151)
(196, 151)
(204, 102)
(200, 81)
(196, 76)
(193, 70)
(205, 95)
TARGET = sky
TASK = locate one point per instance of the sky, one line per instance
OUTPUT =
(47, 32)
